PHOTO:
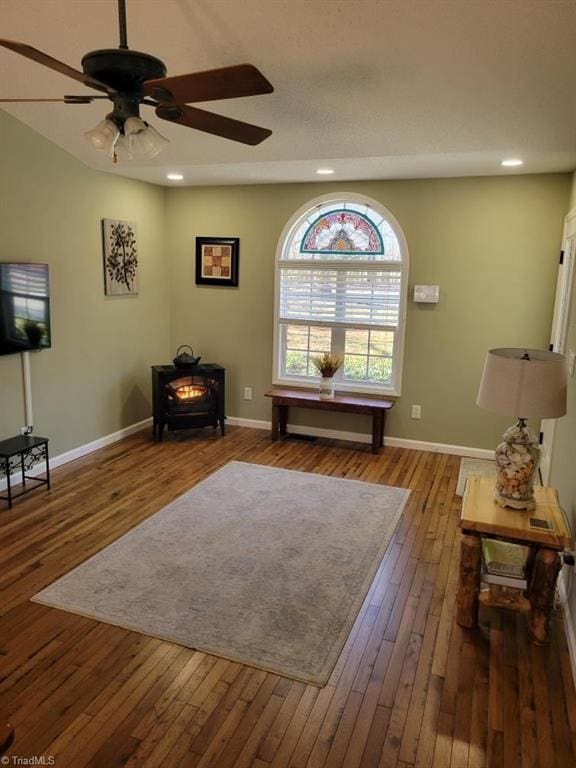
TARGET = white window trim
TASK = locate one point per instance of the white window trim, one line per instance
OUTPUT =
(395, 389)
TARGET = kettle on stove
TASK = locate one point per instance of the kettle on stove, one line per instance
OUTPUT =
(185, 359)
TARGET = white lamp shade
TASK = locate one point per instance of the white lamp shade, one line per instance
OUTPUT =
(134, 125)
(104, 136)
(525, 383)
(143, 139)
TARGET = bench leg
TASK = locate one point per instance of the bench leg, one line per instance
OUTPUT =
(275, 422)
(282, 419)
(377, 429)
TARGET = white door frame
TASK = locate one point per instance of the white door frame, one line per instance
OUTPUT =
(559, 327)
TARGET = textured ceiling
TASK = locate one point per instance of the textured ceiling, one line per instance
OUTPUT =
(371, 88)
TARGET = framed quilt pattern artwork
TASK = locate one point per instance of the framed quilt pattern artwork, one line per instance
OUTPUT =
(217, 260)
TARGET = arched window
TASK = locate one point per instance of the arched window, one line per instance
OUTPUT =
(341, 279)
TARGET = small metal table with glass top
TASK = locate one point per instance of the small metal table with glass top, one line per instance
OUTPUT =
(22, 452)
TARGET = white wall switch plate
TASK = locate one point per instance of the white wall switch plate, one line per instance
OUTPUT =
(427, 294)
(416, 411)
(571, 362)
(247, 393)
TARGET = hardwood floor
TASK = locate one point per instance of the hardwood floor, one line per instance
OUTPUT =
(411, 688)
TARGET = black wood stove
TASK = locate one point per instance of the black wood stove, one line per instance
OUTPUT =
(187, 397)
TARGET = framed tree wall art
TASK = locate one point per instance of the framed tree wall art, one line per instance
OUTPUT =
(120, 257)
(217, 260)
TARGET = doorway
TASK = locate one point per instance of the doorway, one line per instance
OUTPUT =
(559, 327)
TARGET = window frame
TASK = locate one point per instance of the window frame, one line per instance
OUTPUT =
(402, 266)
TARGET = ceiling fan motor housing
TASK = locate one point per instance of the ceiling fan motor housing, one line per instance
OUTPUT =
(123, 69)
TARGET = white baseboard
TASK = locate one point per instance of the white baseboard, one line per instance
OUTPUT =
(362, 437)
(334, 434)
(236, 421)
(569, 623)
(455, 450)
(82, 450)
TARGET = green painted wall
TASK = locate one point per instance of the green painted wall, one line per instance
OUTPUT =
(563, 464)
(95, 378)
(490, 243)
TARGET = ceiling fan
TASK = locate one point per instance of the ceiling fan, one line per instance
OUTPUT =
(131, 78)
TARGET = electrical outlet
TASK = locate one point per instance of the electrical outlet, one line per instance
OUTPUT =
(247, 393)
(416, 411)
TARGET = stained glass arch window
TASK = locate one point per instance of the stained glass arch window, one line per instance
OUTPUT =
(342, 232)
(341, 283)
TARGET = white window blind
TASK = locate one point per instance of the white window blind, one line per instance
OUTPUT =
(340, 296)
(29, 279)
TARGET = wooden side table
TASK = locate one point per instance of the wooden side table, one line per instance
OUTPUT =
(282, 399)
(24, 451)
(482, 518)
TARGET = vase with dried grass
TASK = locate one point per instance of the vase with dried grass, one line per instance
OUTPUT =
(327, 365)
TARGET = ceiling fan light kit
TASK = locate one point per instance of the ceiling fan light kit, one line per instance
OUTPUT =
(104, 136)
(131, 78)
(135, 138)
(143, 139)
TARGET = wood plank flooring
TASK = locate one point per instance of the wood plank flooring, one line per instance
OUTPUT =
(411, 688)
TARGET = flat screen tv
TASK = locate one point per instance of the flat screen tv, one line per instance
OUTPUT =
(24, 307)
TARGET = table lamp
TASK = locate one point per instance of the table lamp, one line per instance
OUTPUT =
(524, 383)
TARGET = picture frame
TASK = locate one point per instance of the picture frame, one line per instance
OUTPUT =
(120, 252)
(217, 261)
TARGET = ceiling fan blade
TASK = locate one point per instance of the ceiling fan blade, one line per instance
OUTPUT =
(210, 85)
(209, 122)
(64, 99)
(58, 66)
(22, 101)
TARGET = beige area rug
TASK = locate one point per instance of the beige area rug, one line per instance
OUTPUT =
(468, 467)
(264, 566)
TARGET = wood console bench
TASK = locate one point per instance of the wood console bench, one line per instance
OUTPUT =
(283, 398)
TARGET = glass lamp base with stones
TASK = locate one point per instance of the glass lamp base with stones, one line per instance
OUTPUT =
(516, 464)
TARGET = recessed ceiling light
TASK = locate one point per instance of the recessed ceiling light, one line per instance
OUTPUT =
(512, 162)
(174, 176)
(325, 171)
